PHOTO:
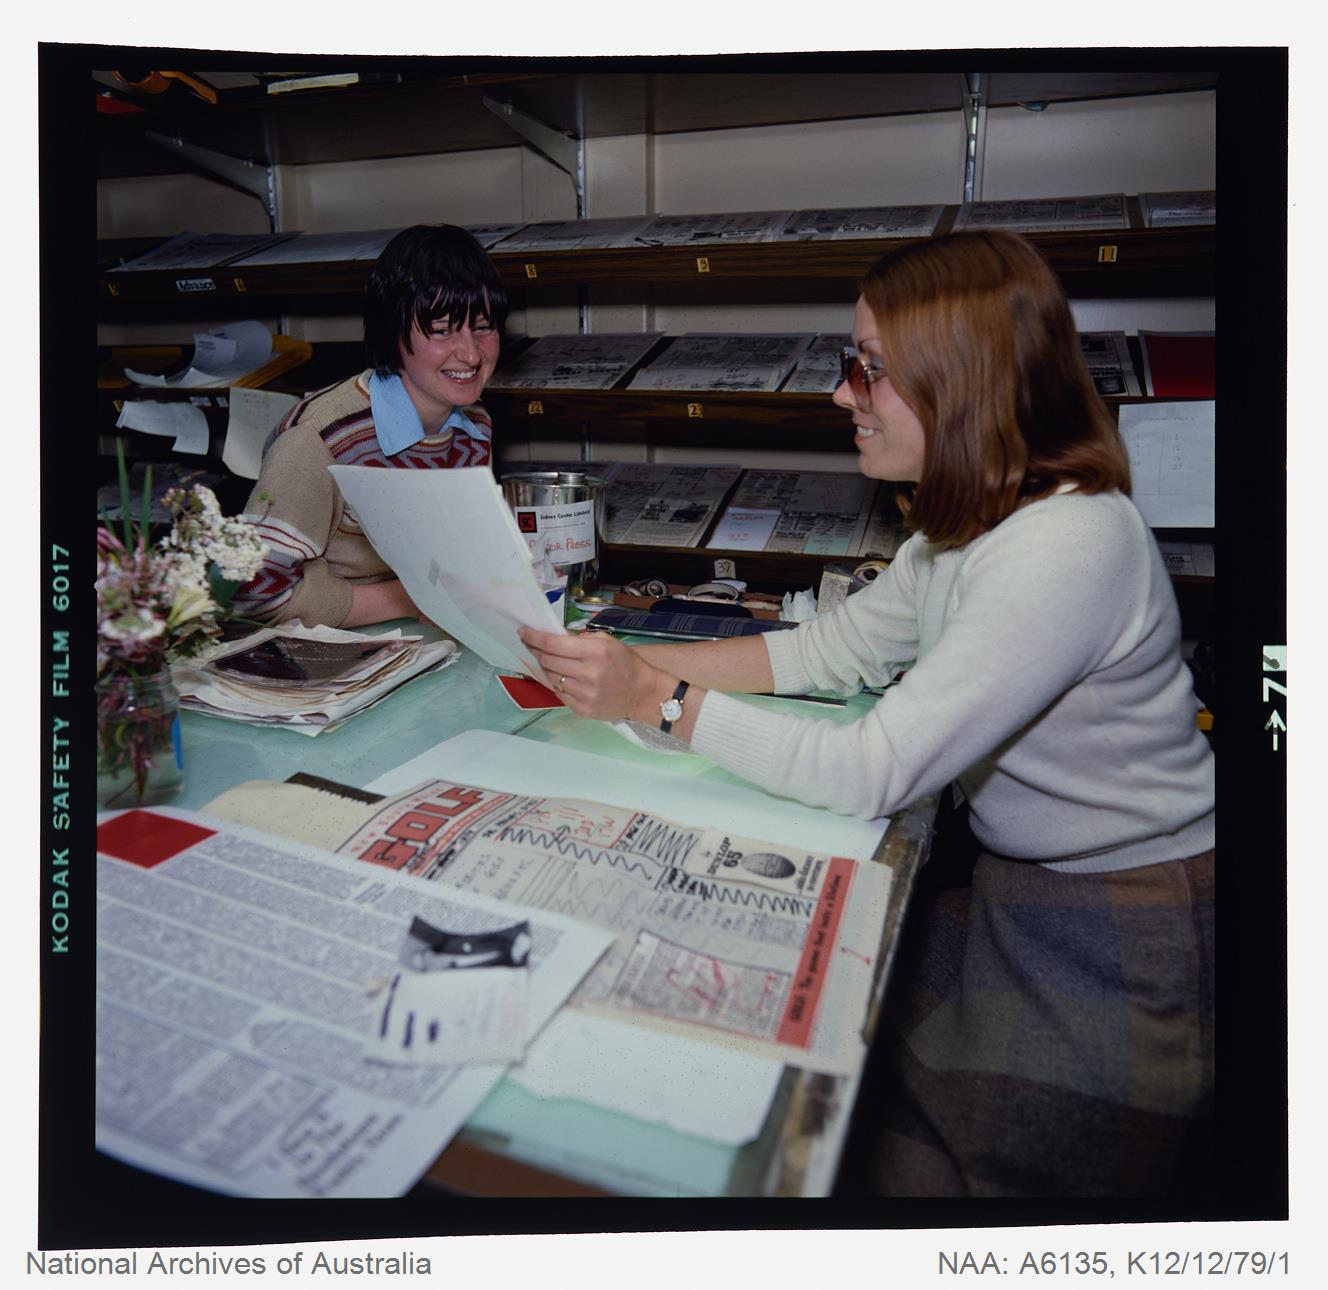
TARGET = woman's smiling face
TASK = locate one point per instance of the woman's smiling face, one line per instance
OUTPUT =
(889, 437)
(448, 367)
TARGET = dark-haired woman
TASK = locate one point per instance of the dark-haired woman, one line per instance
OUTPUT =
(433, 314)
(1056, 1035)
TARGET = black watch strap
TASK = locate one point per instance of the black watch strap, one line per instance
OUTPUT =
(671, 709)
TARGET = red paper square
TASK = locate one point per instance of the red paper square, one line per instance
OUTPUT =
(146, 839)
(529, 695)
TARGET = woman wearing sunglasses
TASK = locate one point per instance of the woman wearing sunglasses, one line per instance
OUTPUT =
(1052, 1033)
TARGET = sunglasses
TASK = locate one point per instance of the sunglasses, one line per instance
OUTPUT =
(859, 376)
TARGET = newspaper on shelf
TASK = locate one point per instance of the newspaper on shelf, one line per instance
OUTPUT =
(817, 371)
(1045, 214)
(573, 234)
(842, 223)
(817, 512)
(886, 531)
(697, 230)
(243, 981)
(308, 679)
(661, 504)
(1169, 210)
(717, 361)
(761, 946)
(1107, 354)
(200, 251)
(322, 248)
(574, 362)
(489, 235)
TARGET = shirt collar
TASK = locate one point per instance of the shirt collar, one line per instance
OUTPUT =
(396, 422)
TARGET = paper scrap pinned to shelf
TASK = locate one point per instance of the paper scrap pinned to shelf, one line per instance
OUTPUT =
(181, 422)
(254, 415)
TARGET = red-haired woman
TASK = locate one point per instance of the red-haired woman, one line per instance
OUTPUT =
(1055, 1035)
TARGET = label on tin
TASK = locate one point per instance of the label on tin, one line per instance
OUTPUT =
(566, 531)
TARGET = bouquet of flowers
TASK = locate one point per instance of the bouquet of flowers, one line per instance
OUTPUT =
(156, 603)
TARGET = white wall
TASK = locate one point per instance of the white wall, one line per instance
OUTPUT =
(1155, 142)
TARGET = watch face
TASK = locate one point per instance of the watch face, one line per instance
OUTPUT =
(671, 709)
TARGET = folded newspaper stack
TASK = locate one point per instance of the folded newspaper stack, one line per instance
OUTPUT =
(306, 678)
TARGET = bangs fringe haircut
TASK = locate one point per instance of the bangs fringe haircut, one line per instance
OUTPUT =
(427, 274)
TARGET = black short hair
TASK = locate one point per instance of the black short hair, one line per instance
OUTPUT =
(426, 273)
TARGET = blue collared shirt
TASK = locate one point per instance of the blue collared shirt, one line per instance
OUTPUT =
(398, 425)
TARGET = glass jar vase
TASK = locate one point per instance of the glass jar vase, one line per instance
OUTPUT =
(140, 759)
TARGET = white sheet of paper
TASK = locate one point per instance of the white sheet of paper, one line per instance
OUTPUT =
(254, 413)
(1171, 448)
(221, 355)
(451, 539)
(741, 528)
(182, 422)
(229, 921)
(454, 1018)
(702, 1089)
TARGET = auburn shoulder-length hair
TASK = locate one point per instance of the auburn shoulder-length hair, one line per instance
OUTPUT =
(977, 338)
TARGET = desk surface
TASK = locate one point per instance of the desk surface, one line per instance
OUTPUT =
(517, 1143)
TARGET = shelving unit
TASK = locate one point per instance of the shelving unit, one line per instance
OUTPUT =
(445, 108)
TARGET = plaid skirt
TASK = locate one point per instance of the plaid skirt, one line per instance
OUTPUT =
(1051, 1034)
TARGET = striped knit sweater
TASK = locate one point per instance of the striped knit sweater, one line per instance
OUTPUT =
(317, 551)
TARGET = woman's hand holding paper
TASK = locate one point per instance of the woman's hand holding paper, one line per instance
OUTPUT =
(597, 676)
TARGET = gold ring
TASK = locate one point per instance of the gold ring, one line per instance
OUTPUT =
(562, 684)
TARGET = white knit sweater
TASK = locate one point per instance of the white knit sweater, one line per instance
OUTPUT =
(1046, 679)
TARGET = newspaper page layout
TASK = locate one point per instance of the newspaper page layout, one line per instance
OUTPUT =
(817, 371)
(1045, 214)
(886, 531)
(820, 513)
(722, 361)
(759, 945)
(649, 504)
(843, 223)
(574, 234)
(316, 248)
(691, 230)
(201, 250)
(1107, 354)
(574, 362)
(244, 986)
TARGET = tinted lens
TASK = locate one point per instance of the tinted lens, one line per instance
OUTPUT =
(851, 370)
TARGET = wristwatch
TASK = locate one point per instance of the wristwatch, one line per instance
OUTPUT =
(671, 708)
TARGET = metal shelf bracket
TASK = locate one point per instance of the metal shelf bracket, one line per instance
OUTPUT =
(975, 134)
(561, 148)
(257, 180)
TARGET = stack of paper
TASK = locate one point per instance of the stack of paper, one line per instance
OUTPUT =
(305, 678)
(221, 356)
(718, 361)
